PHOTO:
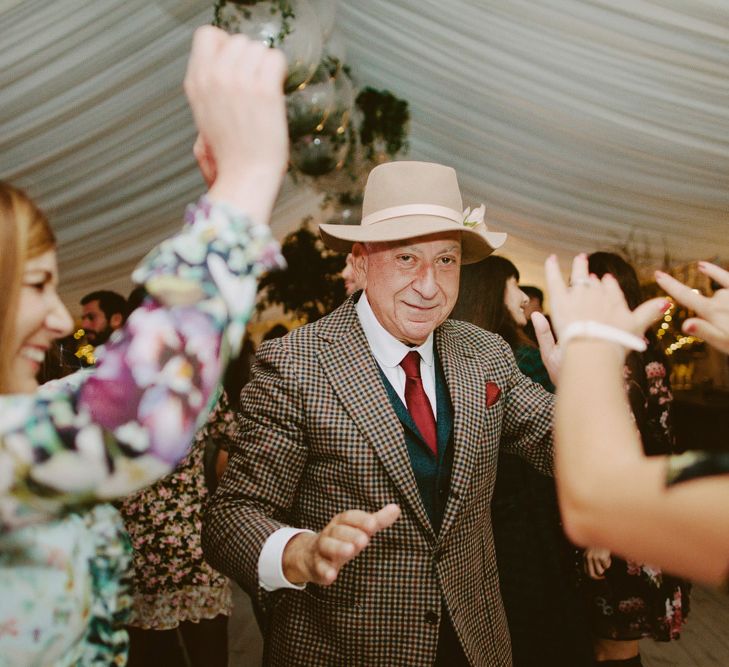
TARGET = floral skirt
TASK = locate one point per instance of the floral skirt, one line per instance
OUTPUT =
(167, 609)
(635, 601)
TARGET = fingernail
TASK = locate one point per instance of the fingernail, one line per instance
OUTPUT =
(660, 274)
(666, 306)
(689, 328)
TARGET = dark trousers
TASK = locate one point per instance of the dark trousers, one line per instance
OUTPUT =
(203, 644)
(450, 652)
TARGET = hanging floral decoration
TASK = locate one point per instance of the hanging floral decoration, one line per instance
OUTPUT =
(337, 133)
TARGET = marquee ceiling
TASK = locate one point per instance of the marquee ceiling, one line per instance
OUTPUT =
(580, 124)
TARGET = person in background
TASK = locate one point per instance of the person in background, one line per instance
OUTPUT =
(136, 298)
(180, 605)
(667, 510)
(536, 562)
(276, 331)
(351, 284)
(102, 313)
(627, 600)
(73, 445)
(534, 305)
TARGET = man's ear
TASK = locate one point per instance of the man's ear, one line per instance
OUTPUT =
(116, 321)
(359, 263)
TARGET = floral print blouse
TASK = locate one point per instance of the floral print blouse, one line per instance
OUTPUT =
(107, 433)
(172, 581)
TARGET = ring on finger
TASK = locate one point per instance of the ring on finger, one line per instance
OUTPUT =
(581, 282)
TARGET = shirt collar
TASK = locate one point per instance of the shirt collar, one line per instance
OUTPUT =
(387, 349)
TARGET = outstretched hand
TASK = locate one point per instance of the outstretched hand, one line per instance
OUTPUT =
(712, 321)
(235, 89)
(597, 299)
(318, 558)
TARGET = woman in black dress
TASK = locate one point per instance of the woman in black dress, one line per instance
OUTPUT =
(627, 600)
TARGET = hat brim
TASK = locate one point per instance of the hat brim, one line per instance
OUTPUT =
(477, 243)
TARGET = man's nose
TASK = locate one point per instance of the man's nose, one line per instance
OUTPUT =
(425, 283)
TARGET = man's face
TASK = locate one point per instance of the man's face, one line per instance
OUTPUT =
(95, 324)
(412, 285)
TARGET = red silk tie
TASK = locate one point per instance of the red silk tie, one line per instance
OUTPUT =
(417, 401)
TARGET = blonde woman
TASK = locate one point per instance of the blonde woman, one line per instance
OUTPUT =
(64, 557)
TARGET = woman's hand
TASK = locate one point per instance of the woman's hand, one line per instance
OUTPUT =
(591, 298)
(597, 561)
(235, 89)
(712, 323)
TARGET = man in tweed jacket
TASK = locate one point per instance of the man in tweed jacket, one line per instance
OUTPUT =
(396, 565)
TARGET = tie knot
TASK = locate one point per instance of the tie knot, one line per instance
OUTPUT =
(411, 364)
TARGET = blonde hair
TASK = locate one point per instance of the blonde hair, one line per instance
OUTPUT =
(24, 234)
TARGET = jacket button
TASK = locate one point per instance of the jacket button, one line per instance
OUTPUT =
(431, 618)
(438, 554)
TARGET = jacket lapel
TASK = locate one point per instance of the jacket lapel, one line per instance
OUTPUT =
(458, 359)
(354, 376)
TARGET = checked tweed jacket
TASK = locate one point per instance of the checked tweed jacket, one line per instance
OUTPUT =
(317, 436)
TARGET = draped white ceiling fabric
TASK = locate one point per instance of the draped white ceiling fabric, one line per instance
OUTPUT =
(580, 124)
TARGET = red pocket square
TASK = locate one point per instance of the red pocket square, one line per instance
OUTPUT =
(493, 391)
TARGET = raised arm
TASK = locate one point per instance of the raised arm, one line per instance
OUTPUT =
(131, 420)
(610, 493)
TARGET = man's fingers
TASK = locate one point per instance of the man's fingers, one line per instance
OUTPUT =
(368, 522)
(334, 550)
(345, 533)
(387, 516)
(715, 272)
(325, 572)
(345, 537)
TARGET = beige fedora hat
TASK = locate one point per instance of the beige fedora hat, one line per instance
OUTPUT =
(403, 200)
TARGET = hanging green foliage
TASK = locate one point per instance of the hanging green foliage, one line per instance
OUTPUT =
(311, 286)
(385, 120)
(282, 7)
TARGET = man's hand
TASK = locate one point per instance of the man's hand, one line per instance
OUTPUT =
(319, 558)
(712, 323)
(597, 561)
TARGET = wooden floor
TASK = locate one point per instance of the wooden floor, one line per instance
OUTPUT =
(705, 639)
(704, 642)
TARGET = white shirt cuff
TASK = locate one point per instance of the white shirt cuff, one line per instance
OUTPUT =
(270, 570)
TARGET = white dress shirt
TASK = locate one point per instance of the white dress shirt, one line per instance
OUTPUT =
(388, 352)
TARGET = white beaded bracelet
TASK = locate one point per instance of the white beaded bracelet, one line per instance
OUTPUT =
(592, 329)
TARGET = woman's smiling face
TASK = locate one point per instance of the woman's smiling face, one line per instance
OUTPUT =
(41, 319)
